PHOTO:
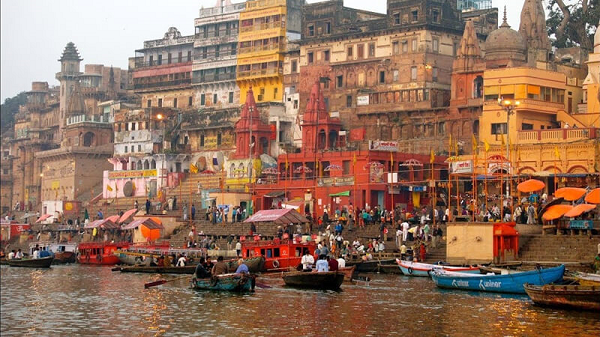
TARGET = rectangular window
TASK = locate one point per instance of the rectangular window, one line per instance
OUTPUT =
(434, 74)
(346, 167)
(214, 98)
(204, 52)
(275, 90)
(436, 45)
(169, 58)
(231, 97)
(310, 57)
(498, 128)
(326, 55)
(371, 50)
(174, 102)
(339, 81)
(526, 126)
(190, 101)
(149, 103)
(396, 47)
(382, 77)
(217, 30)
(126, 149)
(311, 30)
(396, 75)
(454, 48)
(160, 102)
(360, 51)
(414, 45)
(151, 60)
(139, 148)
(349, 101)
(413, 73)
(202, 99)
(435, 15)
(219, 138)
(396, 18)
(349, 51)
(233, 49)
(295, 104)
(294, 66)
(415, 15)
(405, 46)
(327, 28)
(159, 61)
(180, 57)
(217, 50)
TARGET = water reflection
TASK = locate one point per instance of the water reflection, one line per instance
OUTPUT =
(87, 300)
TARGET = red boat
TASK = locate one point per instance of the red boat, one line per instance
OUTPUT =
(101, 253)
(279, 254)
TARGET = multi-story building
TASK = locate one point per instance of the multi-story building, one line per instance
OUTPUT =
(591, 84)
(215, 56)
(6, 180)
(265, 27)
(162, 71)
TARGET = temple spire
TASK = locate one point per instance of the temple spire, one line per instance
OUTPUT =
(504, 20)
(533, 25)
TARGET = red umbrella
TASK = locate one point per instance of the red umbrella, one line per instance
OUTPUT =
(127, 214)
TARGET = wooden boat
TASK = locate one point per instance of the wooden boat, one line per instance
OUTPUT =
(331, 280)
(348, 273)
(509, 283)
(43, 262)
(409, 268)
(280, 255)
(565, 296)
(225, 282)
(63, 252)
(368, 266)
(100, 253)
(255, 265)
(586, 279)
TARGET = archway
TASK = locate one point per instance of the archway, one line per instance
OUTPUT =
(478, 87)
(146, 165)
(153, 164)
(88, 139)
(264, 145)
(333, 139)
(321, 140)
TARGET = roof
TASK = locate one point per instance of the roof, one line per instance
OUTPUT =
(148, 222)
(278, 216)
(103, 223)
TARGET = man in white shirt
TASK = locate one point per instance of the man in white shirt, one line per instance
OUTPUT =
(341, 263)
(322, 264)
(405, 227)
(307, 261)
(181, 261)
(398, 237)
(19, 254)
(11, 255)
(36, 254)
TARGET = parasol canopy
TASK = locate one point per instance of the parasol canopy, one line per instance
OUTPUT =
(555, 201)
(127, 214)
(333, 167)
(113, 218)
(531, 185)
(593, 197)
(302, 169)
(556, 211)
(579, 209)
(570, 193)
(43, 217)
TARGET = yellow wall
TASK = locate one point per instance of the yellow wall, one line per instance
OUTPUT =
(469, 243)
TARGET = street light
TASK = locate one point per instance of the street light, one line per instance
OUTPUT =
(509, 106)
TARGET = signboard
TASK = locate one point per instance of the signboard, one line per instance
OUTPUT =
(334, 114)
(376, 174)
(336, 181)
(362, 100)
(392, 178)
(462, 166)
(131, 174)
(380, 145)
(496, 167)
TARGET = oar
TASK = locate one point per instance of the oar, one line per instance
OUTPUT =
(159, 282)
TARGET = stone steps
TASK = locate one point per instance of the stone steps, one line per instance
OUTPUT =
(559, 248)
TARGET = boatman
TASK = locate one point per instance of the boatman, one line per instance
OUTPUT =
(220, 267)
(201, 272)
(322, 265)
(307, 261)
(242, 267)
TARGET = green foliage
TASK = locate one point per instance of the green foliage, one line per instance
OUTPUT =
(581, 26)
(9, 108)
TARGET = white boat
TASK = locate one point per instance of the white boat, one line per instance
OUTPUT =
(410, 268)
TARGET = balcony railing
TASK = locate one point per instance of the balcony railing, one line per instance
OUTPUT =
(88, 119)
(260, 72)
(154, 63)
(270, 46)
(204, 12)
(556, 135)
(264, 3)
(262, 26)
(140, 86)
(214, 78)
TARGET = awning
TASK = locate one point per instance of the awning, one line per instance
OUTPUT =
(104, 223)
(340, 194)
(148, 222)
(572, 175)
(278, 216)
(556, 211)
(579, 209)
(275, 194)
(127, 214)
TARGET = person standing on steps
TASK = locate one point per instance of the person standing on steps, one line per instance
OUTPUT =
(193, 212)
(147, 206)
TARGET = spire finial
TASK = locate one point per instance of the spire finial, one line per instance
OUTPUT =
(504, 13)
(504, 20)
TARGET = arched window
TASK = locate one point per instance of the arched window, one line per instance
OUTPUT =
(476, 127)
(146, 165)
(240, 171)
(264, 145)
(88, 139)
(333, 139)
(478, 87)
(232, 170)
(153, 164)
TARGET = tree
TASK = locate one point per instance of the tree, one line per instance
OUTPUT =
(573, 22)
(8, 110)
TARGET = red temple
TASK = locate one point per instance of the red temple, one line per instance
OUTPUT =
(250, 120)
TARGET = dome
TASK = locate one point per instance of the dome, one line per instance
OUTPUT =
(505, 43)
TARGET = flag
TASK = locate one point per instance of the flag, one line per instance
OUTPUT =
(133, 185)
(286, 162)
(556, 153)
(432, 157)
(354, 159)
(450, 145)
(193, 168)
(109, 188)
(487, 146)
(456, 148)
(502, 139)
(474, 143)
(392, 161)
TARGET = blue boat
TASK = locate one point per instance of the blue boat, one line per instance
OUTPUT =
(225, 282)
(507, 283)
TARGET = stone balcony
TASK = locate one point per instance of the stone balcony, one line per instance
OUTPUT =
(556, 135)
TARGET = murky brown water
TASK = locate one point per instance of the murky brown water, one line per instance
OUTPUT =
(80, 300)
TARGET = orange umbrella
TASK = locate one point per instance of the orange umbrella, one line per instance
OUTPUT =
(593, 197)
(530, 185)
(570, 193)
(579, 209)
(556, 211)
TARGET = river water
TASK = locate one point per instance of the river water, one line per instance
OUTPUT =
(81, 300)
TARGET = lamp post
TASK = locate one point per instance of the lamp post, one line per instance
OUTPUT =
(509, 105)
